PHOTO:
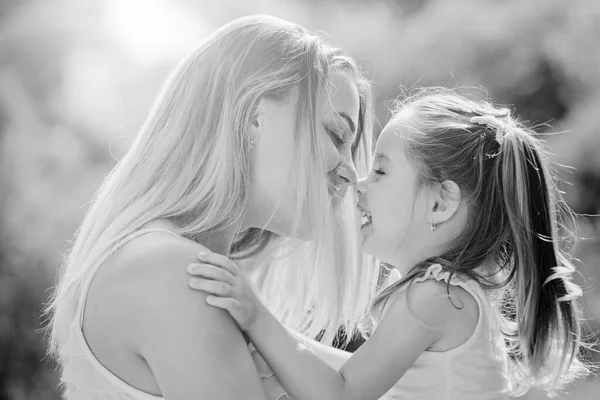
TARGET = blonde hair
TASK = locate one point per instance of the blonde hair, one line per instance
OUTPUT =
(192, 157)
(517, 217)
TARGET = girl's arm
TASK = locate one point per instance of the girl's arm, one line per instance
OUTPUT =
(331, 355)
(403, 334)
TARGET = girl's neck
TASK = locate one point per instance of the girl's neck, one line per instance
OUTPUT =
(405, 262)
(426, 244)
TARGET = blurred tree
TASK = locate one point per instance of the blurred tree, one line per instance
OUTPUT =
(544, 103)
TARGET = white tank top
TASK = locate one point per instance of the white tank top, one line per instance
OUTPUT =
(85, 378)
(477, 369)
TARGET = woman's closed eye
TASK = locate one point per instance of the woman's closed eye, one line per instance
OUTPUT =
(378, 172)
(337, 138)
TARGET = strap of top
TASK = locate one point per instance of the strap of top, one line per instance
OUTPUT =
(437, 272)
(88, 281)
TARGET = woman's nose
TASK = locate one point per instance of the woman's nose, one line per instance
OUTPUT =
(346, 174)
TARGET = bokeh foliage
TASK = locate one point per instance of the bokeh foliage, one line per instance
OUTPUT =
(77, 78)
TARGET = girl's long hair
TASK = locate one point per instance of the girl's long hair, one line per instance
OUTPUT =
(516, 217)
(191, 163)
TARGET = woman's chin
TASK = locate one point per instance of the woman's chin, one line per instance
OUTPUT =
(302, 232)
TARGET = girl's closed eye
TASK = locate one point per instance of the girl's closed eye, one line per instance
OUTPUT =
(377, 172)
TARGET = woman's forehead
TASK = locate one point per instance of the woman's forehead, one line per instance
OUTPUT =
(341, 99)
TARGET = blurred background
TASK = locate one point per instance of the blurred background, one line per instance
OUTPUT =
(78, 77)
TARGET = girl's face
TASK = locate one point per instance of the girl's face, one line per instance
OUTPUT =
(273, 198)
(393, 200)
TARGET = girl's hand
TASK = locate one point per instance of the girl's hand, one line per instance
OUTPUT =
(228, 288)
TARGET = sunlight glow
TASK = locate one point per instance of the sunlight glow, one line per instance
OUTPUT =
(154, 30)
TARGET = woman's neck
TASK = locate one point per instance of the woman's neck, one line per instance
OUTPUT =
(218, 242)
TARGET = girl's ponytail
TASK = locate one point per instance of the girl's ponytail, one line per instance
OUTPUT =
(545, 341)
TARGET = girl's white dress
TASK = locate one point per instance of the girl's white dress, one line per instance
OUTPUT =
(477, 369)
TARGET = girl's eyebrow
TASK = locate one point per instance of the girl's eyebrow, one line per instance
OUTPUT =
(383, 157)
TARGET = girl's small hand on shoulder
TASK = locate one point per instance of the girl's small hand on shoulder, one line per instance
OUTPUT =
(228, 288)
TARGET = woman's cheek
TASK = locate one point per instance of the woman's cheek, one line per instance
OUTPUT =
(332, 158)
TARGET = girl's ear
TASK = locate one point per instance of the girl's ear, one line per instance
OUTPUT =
(443, 202)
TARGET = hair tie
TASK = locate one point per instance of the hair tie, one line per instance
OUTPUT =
(491, 122)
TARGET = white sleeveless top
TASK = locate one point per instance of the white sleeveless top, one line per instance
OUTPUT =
(85, 378)
(477, 369)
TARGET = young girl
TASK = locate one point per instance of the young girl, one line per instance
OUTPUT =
(462, 202)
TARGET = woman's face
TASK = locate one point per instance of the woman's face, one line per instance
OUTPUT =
(273, 197)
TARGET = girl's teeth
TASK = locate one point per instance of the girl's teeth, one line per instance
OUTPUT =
(366, 219)
(365, 216)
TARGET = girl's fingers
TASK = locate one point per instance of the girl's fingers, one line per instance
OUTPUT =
(210, 286)
(211, 272)
(225, 303)
(220, 261)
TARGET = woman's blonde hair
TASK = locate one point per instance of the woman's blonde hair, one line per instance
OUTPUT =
(191, 162)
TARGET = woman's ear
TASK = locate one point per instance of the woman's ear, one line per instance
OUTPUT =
(257, 114)
(444, 202)
(257, 121)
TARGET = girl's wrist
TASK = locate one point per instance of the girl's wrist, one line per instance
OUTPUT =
(259, 327)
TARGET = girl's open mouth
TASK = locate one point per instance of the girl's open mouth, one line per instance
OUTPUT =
(366, 217)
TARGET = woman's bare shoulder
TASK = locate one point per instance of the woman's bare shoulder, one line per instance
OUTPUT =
(189, 346)
(151, 272)
(156, 250)
(143, 283)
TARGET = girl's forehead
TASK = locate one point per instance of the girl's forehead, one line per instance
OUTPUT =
(390, 148)
(391, 137)
(391, 142)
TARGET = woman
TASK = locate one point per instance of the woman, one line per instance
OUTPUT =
(253, 138)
